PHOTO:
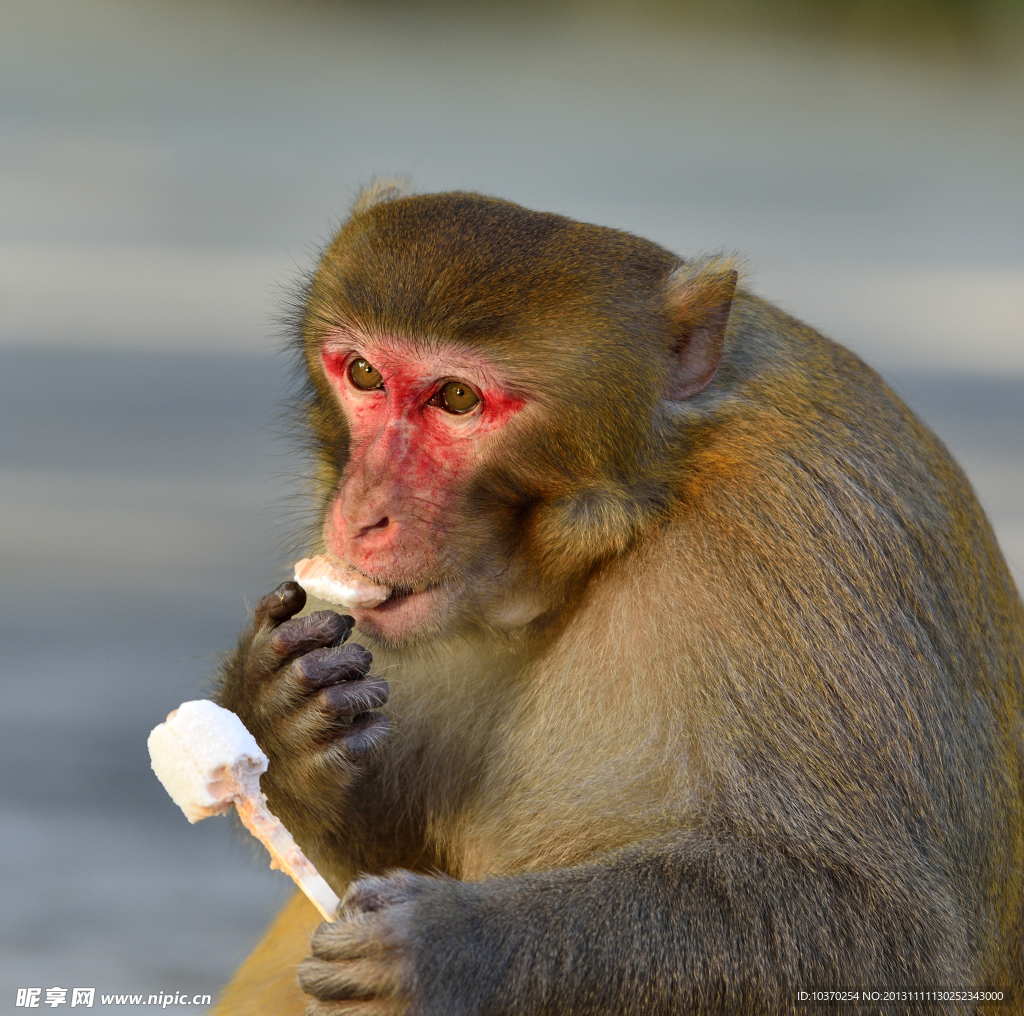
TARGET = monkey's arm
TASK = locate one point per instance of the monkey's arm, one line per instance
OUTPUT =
(708, 922)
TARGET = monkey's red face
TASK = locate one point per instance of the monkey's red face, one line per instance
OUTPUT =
(421, 421)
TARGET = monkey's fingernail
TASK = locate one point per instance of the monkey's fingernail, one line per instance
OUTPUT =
(291, 598)
(287, 599)
(350, 623)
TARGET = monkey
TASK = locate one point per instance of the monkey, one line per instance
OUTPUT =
(698, 683)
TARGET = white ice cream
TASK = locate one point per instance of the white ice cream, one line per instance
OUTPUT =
(207, 761)
(333, 582)
(205, 758)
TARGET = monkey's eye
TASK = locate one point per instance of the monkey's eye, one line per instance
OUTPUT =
(364, 375)
(456, 397)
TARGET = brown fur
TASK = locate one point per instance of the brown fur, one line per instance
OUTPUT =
(769, 733)
(265, 984)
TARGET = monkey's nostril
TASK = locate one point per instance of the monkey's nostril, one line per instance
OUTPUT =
(379, 524)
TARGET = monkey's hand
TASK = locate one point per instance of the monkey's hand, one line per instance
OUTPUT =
(306, 696)
(362, 963)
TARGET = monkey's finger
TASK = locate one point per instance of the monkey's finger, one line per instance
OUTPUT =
(355, 697)
(361, 978)
(284, 602)
(359, 937)
(374, 892)
(356, 1007)
(321, 668)
(363, 734)
(318, 630)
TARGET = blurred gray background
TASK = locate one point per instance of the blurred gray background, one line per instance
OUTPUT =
(166, 169)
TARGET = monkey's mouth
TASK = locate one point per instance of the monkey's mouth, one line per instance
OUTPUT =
(402, 593)
(410, 609)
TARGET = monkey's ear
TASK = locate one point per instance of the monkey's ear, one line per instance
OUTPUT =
(699, 300)
(380, 192)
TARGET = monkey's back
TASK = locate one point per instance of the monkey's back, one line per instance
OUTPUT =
(880, 618)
